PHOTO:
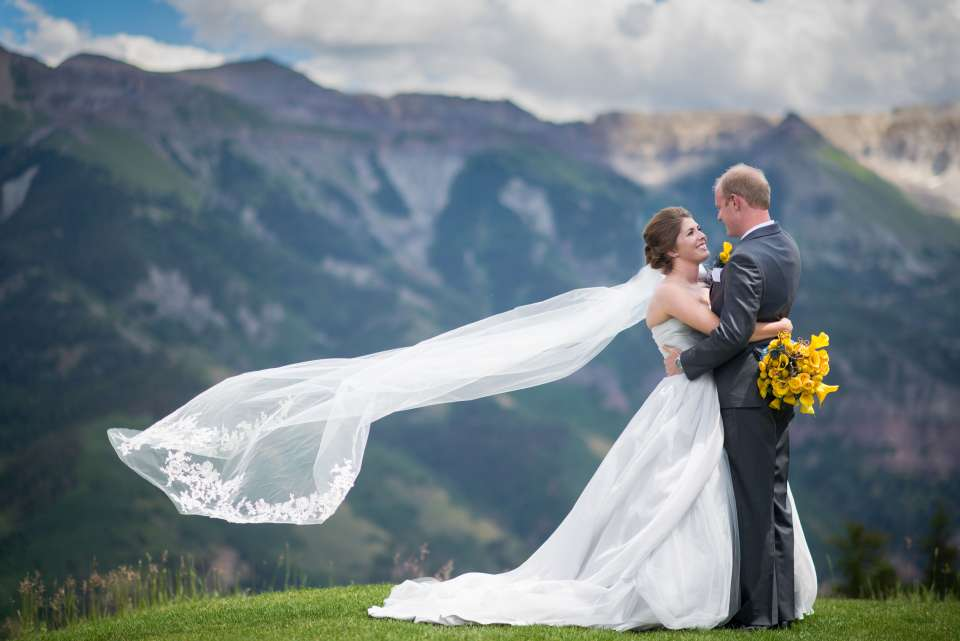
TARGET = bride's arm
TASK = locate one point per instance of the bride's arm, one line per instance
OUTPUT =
(770, 329)
(680, 304)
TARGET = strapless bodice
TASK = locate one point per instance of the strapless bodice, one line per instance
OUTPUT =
(674, 333)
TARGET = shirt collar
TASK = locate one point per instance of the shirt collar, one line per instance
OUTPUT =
(756, 227)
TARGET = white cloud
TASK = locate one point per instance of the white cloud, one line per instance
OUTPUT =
(569, 58)
(54, 39)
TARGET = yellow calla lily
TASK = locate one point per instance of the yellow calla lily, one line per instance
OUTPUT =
(795, 384)
(825, 390)
(725, 252)
(764, 385)
(820, 340)
(775, 404)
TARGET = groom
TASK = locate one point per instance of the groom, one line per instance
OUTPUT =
(758, 283)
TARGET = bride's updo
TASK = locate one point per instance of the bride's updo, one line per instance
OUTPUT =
(660, 237)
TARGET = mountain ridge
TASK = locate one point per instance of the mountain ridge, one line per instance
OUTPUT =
(658, 154)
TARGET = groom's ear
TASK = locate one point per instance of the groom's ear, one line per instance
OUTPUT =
(738, 202)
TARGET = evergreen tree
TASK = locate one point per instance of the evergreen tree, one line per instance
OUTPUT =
(866, 571)
(941, 574)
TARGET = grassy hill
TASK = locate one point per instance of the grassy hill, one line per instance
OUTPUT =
(340, 613)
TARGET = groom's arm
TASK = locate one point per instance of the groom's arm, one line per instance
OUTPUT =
(742, 291)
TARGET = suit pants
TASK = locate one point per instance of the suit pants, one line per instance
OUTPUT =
(758, 447)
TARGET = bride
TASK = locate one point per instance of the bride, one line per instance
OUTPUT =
(651, 541)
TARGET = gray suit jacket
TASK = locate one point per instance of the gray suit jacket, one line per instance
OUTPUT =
(759, 283)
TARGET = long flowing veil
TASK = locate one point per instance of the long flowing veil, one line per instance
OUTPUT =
(285, 444)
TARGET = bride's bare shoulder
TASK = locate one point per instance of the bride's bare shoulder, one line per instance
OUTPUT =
(660, 303)
(665, 291)
(668, 290)
(670, 297)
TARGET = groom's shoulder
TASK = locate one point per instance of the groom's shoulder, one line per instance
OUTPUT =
(787, 239)
(787, 235)
(778, 248)
(773, 247)
(775, 236)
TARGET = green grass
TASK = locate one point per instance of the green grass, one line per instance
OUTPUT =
(340, 613)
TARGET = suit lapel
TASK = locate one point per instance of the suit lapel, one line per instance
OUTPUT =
(716, 296)
(716, 289)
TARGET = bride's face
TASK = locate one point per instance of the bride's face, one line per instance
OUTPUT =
(691, 243)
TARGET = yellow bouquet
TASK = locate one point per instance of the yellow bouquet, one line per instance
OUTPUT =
(793, 371)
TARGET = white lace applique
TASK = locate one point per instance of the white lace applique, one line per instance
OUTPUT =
(180, 426)
(206, 493)
(191, 436)
(127, 445)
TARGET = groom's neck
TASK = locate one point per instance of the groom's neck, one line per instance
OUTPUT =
(753, 217)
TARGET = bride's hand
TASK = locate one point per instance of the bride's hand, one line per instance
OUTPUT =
(670, 360)
(786, 325)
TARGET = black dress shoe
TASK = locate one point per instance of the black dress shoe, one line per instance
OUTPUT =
(737, 625)
(782, 625)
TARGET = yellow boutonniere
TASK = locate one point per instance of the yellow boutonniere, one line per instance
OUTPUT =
(725, 254)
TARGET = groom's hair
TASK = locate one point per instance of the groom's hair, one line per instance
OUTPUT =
(747, 182)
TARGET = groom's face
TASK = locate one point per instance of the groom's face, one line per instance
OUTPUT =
(727, 213)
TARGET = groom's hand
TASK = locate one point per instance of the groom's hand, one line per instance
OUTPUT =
(670, 360)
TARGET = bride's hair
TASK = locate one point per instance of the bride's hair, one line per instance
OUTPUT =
(660, 236)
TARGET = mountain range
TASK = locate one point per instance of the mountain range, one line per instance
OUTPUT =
(161, 231)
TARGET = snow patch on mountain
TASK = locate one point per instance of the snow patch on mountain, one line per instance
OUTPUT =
(15, 192)
(172, 297)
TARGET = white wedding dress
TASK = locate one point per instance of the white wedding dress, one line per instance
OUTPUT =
(650, 542)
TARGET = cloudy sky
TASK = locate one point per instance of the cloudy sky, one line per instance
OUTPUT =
(561, 59)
